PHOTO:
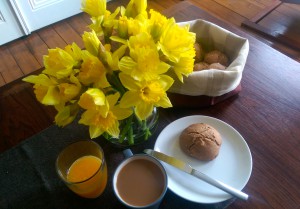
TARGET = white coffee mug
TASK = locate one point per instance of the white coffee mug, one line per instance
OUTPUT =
(140, 181)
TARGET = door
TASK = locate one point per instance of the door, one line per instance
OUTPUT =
(21, 17)
(10, 28)
(40, 13)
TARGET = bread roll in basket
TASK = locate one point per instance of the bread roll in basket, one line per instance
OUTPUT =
(208, 87)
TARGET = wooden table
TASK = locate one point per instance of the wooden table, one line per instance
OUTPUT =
(266, 113)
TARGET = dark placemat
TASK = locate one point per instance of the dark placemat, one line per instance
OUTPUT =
(28, 178)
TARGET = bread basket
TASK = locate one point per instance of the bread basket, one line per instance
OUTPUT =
(208, 87)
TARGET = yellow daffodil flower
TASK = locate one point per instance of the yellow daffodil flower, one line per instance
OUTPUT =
(135, 26)
(109, 124)
(109, 20)
(96, 25)
(144, 95)
(142, 40)
(121, 74)
(157, 24)
(94, 7)
(112, 59)
(49, 92)
(123, 27)
(68, 91)
(91, 42)
(185, 66)
(92, 71)
(144, 61)
(135, 8)
(103, 25)
(129, 27)
(75, 51)
(45, 88)
(95, 99)
(66, 114)
(176, 42)
(58, 63)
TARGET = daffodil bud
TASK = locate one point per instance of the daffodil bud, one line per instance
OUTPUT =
(91, 42)
(123, 27)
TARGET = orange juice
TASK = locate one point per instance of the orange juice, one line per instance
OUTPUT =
(87, 177)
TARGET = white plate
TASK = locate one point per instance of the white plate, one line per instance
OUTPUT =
(232, 166)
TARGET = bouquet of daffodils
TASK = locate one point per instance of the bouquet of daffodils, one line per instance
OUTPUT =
(123, 71)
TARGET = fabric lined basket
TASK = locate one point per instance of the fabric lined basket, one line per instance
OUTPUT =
(208, 87)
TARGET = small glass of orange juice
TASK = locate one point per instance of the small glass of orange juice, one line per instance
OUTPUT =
(82, 167)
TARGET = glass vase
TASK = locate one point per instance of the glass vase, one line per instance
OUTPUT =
(134, 131)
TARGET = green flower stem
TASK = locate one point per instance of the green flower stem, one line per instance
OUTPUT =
(125, 129)
(106, 136)
(117, 83)
(146, 130)
(130, 136)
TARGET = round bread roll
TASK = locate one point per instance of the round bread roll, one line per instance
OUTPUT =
(201, 141)
(199, 52)
(200, 66)
(216, 57)
(217, 66)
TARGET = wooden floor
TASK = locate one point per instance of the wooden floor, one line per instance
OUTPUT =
(24, 56)
(19, 109)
